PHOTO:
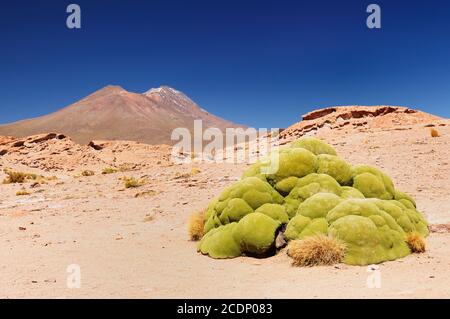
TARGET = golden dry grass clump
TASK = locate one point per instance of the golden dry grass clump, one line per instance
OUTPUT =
(148, 193)
(87, 173)
(196, 224)
(416, 242)
(14, 177)
(434, 132)
(132, 182)
(316, 250)
(109, 170)
(22, 192)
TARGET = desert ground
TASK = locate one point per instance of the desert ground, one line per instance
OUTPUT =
(133, 242)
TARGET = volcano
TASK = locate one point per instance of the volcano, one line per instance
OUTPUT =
(113, 113)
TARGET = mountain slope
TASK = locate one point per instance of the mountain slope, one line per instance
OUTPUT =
(115, 114)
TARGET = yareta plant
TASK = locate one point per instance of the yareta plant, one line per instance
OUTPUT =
(313, 193)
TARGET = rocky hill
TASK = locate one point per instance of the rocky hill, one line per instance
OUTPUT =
(361, 117)
(113, 113)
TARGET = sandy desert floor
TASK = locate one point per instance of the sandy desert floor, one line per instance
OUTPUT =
(137, 247)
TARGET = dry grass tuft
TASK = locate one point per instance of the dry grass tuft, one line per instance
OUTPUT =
(416, 242)
(126, 167)
(109, 170)
(149, 218)
(194, 171)
(14, 177)
(179, 175)
(434, 133)
(39, 179)
(316, 250)
(131, 182)
(20, 177)
(87, 173)
(149, 193)
(196, 223)
(22, 192)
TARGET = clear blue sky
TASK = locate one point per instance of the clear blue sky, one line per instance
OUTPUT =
(256, 62)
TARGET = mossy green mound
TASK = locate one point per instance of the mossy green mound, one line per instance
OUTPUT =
(335, 167)
(312, 192)
(369, 240)
(308, 186)
(372, 183)
(314, 145)
(275, 211)
(239, 200)
(300, 227)
(234, 239)
(291, 162)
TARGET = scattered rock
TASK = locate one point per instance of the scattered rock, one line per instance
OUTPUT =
(439, 228)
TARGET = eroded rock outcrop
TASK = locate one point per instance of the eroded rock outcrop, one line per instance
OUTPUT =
(371, 117)
(57, 152)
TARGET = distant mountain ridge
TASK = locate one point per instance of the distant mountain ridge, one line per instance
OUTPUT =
(113, 113)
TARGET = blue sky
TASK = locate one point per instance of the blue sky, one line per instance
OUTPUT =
(260, 63)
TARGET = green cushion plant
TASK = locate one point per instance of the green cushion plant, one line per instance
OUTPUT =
(313, 193)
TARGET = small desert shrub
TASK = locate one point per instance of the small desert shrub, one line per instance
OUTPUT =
(131, 182)
(181, 175)
(416, 242)
(126, 167)
(316, 250)
(43, 180)
(149, 218)
(14, 177)
(194, 171)
(22, 192)
(109, 170)
(434, 132)
(196, 223)
(87, 173)
(19, 177)
(146, 194)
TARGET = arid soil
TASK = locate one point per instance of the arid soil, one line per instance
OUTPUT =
(133, 243)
